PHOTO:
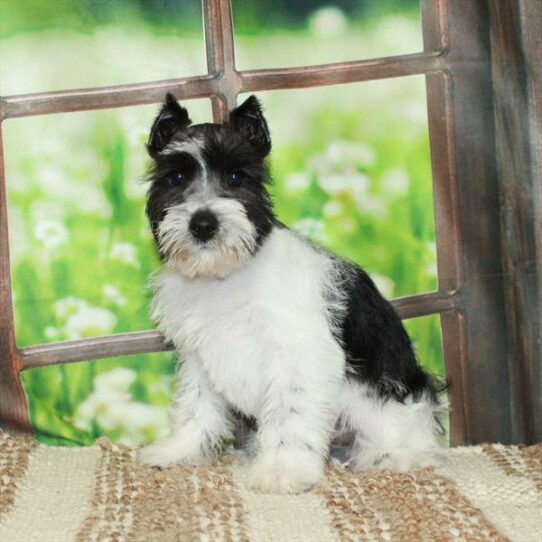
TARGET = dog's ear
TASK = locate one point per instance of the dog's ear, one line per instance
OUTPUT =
(249, 120)
(172, 119)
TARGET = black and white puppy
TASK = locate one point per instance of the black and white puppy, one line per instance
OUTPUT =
(269, 325)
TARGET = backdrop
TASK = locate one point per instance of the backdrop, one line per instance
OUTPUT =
(351, 168)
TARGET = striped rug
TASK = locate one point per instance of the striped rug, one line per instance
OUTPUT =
(101, 494)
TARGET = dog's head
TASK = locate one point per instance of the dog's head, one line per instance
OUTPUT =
(208, 205)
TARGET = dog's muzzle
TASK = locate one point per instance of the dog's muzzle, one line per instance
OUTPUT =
(203, 225)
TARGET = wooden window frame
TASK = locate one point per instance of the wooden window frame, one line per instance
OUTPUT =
(484, 129)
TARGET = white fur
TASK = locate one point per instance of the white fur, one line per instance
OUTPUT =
(260, 340)
(191, 146)
(199, 419)
(232, 245)
(388, 434)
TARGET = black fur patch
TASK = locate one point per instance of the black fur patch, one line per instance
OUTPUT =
(378, 349)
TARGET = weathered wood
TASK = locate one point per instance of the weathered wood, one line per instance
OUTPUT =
(63, 101)
(13, 406)
(124, 344)
(219, 85)
(341, 73)
(220, 50)
(479, 333)
(446, 207)
(516, 52)
(121, 344)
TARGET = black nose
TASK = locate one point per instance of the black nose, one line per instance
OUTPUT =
(203, 225)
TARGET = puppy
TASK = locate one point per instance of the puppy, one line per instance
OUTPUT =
(269, 325)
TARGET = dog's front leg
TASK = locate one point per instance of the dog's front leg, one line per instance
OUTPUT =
(294, 431)
(199, 422)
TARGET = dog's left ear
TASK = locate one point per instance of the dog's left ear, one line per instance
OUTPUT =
(249, 120)
(172, 119)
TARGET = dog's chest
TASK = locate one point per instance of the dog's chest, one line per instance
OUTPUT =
(243, 328)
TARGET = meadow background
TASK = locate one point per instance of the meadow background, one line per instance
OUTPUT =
(351, 167)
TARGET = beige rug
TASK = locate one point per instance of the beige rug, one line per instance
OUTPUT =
(100, 494)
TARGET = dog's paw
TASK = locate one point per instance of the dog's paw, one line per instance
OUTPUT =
(284, 475)
(169, 452)
(396, 459)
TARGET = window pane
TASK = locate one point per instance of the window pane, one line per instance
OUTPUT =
(81, 251)
(50, 45)
(352, 171)
(426, 336)
(125, 399)
(285, 33)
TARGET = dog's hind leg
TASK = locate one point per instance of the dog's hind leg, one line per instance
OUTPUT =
(199, 422)
(390, 434)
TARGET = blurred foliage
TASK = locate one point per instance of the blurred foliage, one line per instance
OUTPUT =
(183, 15)
(350, 163)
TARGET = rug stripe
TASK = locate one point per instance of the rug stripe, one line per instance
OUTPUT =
(14, 455)
(510, 502)
(283, 518)
(532, 455)
(389, 506)
(53, 496)
(187, 503)
(109, 512)
(523, 461)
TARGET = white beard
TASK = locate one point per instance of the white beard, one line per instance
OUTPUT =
(232, 246)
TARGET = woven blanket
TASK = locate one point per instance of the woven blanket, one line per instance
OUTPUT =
(101, 494)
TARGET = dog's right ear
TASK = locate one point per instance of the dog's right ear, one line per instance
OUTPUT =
(172, 119)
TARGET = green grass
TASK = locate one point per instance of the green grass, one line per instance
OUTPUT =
(351, 168)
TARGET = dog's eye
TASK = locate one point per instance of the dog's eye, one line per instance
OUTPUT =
(177, 178)
(236, 177)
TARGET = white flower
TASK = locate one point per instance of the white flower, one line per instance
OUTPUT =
(353, 182)
(119, 379)
(50, 234)
(395, 181)
(51, 178)
(112, 408)
(370, 205)
(96, 405)
(112, 295)
(297, 181)
(328, 21)
(125, 253)
(332, 208)
(67, 306)
(81, 319)
(384, 284)
(342, 158)
(51, 332)
(89, 321)
(311, 229)
(134, 419)
(342, 154)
